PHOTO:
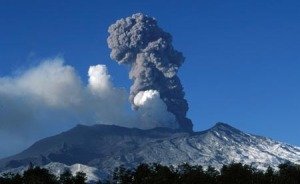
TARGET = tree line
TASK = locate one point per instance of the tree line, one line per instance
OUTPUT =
(234, 173)
(38, 175)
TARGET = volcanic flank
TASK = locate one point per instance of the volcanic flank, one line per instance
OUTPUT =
(139, 42)
(98, 149)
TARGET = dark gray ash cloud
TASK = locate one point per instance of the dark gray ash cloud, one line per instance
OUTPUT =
(139, 42)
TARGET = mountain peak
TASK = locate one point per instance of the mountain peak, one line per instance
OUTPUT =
(221, 125)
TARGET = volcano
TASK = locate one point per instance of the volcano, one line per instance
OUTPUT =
(98, 149)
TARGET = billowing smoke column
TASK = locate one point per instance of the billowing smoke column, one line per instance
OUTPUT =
(138, 42)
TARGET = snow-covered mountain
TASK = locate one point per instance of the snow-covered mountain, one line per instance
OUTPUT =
(98, 149)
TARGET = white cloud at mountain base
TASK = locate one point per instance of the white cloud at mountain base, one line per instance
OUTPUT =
(51, 97)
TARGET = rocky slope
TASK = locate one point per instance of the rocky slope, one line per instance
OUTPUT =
(99, 149)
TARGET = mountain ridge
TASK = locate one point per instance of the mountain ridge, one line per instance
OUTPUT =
(107, 146)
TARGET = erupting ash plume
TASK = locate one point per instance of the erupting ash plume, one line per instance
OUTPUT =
(138, 42)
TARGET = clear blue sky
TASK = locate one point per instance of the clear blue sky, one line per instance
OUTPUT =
(242, 57)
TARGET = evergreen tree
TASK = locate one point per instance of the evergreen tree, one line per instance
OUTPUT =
(122, 175)
(289, 173)
(142, 174)
(192, 174)
(236, 173)
(162, 174)
(66, 177)
(37, 175)
(212, 174)
(80, 178)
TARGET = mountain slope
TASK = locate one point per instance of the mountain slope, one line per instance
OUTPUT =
(106, 147)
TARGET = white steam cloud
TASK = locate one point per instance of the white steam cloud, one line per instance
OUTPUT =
(99, 79)
(152, 111)
(51, 97)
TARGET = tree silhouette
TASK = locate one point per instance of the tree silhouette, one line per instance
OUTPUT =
(66, 177)
(234, 173)
(37, 175)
